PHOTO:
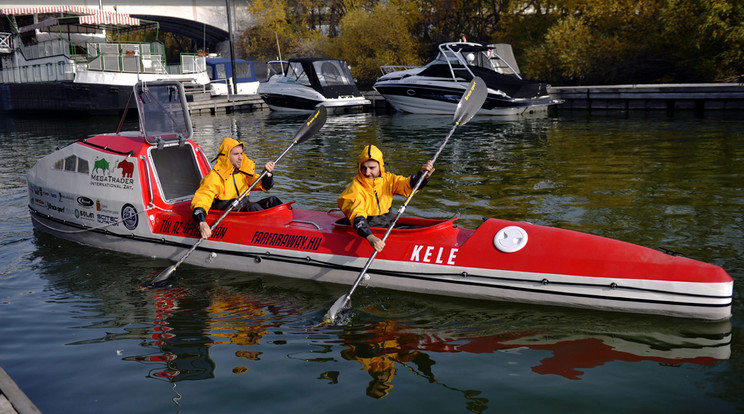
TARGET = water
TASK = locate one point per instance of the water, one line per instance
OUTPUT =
(77, 334)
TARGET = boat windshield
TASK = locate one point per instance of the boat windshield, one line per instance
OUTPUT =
(163, 112)
(296, 73)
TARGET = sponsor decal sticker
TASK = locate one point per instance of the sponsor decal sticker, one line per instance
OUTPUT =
(106, 219)
(189, 228)
(54, 207)
(113, 174)
(84, 201)
(293, 241)
(432, 254)
(84, 215)
(129, 216)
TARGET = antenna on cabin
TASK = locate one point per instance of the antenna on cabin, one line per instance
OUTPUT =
(281, 65)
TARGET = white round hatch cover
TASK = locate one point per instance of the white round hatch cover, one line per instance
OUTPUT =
(510, 239)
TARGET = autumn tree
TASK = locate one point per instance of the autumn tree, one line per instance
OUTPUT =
(366, 44)
(558, 41)
(626, 41)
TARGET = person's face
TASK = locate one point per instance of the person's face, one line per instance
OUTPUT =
(236, 156)
(370, 169)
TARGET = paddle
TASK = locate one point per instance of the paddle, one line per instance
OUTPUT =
(308, 129)
(469, 104)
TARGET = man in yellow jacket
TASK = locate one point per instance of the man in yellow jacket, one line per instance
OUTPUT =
(367, 200)
(231, 175)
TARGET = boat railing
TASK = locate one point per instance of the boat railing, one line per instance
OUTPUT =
(125, 57)
(95, 56)
(190, 63)
(49, 48)
(5, 45)
(48, 72)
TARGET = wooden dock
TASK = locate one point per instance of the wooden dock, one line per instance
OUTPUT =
(202, 102)
(669, 97)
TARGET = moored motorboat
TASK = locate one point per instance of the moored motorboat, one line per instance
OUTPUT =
(74, 59)
(131, 192)
(220, 71)
(436, 87)
(300, 85)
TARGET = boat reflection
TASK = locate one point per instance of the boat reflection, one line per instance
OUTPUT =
(182, 330)
(576, 341)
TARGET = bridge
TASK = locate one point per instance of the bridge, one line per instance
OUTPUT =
(204, 21)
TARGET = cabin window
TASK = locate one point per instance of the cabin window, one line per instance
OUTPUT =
(221, 74)
(176, 171)
(72, 163)
(82, 166)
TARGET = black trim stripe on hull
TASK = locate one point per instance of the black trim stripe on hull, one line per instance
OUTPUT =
(308, 261)
(453, 96)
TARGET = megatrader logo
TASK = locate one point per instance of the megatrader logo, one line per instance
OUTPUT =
(114, 174)
(85, 201)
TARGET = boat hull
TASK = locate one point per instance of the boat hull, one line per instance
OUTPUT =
(306, 101)
(104, 94)
(64, 96)
(441, 98)
(317, 248)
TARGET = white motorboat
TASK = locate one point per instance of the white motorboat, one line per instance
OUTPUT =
(300, 85)
(436, 88)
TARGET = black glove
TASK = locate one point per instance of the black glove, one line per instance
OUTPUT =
(361, 226)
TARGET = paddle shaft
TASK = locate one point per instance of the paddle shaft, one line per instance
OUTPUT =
(395, 220)
(471, 101)
(308, 129)
(234, 204)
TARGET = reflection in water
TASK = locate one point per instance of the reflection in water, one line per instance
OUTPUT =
(380, 351)
(574, 341)
(254, 317)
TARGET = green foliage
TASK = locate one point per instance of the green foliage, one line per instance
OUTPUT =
(628, 41)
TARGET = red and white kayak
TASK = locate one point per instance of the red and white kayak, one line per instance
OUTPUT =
(131, 192)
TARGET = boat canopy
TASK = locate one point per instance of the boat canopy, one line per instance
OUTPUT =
(163, 113)
(330, 77)
(221, 69)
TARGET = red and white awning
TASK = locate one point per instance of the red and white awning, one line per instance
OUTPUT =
(87, 15)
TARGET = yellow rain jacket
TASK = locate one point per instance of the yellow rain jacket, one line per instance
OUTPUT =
(224, 182)
(368, 197)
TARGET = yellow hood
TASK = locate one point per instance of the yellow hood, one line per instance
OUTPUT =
(223, 167)
(372, 197)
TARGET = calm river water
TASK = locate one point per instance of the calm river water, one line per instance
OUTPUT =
(78, 336)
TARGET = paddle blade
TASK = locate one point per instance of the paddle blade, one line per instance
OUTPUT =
(165, 274)
(341, 304)
(471, 101)
(312, 125)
